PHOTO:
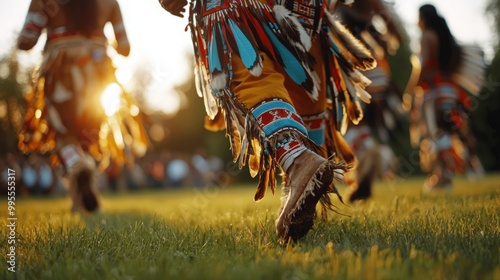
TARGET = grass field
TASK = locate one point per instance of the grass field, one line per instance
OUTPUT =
(220, 233)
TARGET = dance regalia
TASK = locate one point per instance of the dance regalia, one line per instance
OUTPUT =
(246, 51)
(441, 126)
(370, 138)
(440, 119)
(66, 100)
(381, 35)
(339, 59)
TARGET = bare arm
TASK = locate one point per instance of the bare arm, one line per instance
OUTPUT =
(428, 44)
(36, 20)
(175, 7)
(123, 45)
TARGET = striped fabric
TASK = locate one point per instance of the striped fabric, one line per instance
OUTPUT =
(287, 151)
(315, 126)
(275, 115)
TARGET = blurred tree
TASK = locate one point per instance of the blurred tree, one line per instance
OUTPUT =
(493, 10)
(186, 130)
(485, 117)
(182, 132)
(487, 103)
(401, 69)
(12, 103)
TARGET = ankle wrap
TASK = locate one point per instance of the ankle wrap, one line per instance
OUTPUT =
(275, 115)
(287, 150)
(70, 156)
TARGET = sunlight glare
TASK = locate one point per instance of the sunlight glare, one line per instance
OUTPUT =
(166, 102)
(134, 110)
(111, 99)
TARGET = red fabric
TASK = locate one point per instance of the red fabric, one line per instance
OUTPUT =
(462, 96)
(359, 141)
(451, 160)
(282, 152)
(312, 124)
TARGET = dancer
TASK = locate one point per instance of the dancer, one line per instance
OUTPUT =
(441, 107)
(375, 23)
(76, 107)
(256, 70)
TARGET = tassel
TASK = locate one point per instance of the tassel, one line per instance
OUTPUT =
(263, 182)
(272, 180)
(244, 151)
(255, 157)
(265, 175)
(233, 134)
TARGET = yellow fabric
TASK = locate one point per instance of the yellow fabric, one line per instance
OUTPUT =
(252, 90)
(273, 83)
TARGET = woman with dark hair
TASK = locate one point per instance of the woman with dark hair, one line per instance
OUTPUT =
(440, 113)
(76, 107)
(439, 51)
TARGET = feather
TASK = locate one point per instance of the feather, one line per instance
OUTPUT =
(214, 60)
(198, 81)
(244, 151)
(233, 133)
(343, 149)
(354, 111)
(362, 94)
(217, 61)
(340, 116)
(255, 157)
(272, 180)
(293, 67)
(344, 121)
(359, 78)
(246, 50)
(469, 83)
(219, 81)
(291, 28)
(470, 74)
(253, 165)
(349, 46)
(355, 90)
(260, 33)
(261, 188)
(209, 101)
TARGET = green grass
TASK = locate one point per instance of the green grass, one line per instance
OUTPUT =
(220, 233)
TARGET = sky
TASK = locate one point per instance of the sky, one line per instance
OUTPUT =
(160, 44)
